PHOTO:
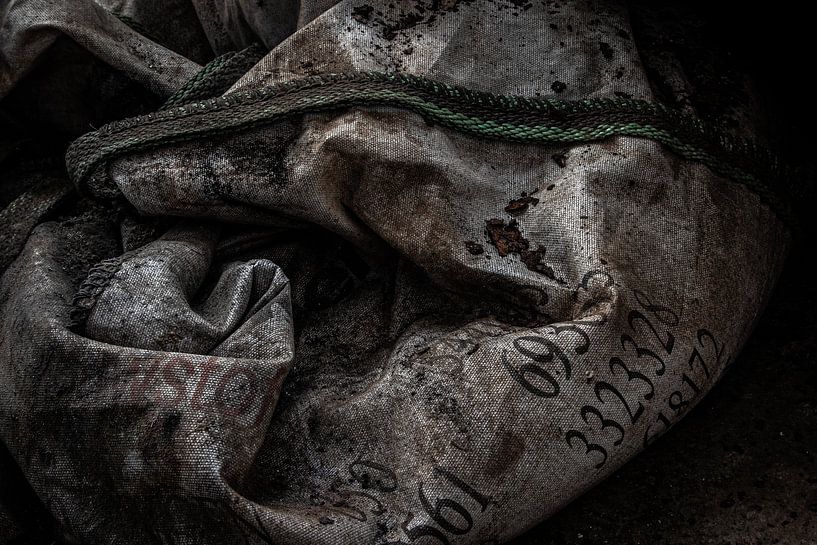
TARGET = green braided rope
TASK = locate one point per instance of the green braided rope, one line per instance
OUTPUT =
(506, 118)
(216, 77)
(189, 90)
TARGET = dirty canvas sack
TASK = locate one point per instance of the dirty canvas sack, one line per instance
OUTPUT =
(423, 274)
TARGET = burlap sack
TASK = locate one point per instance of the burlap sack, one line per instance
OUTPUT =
(343, 306)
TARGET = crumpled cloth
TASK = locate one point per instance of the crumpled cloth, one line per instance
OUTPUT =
(356, 327)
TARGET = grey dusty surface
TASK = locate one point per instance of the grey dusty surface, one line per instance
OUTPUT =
(740, 469)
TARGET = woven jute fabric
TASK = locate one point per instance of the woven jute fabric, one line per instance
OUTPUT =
(344, 273)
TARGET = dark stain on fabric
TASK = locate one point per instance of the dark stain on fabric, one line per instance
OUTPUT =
(506, 236)
(519, 206)
(474, 248)
(505, 454)
(362, 14)
(507, 239)
(534, 260)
